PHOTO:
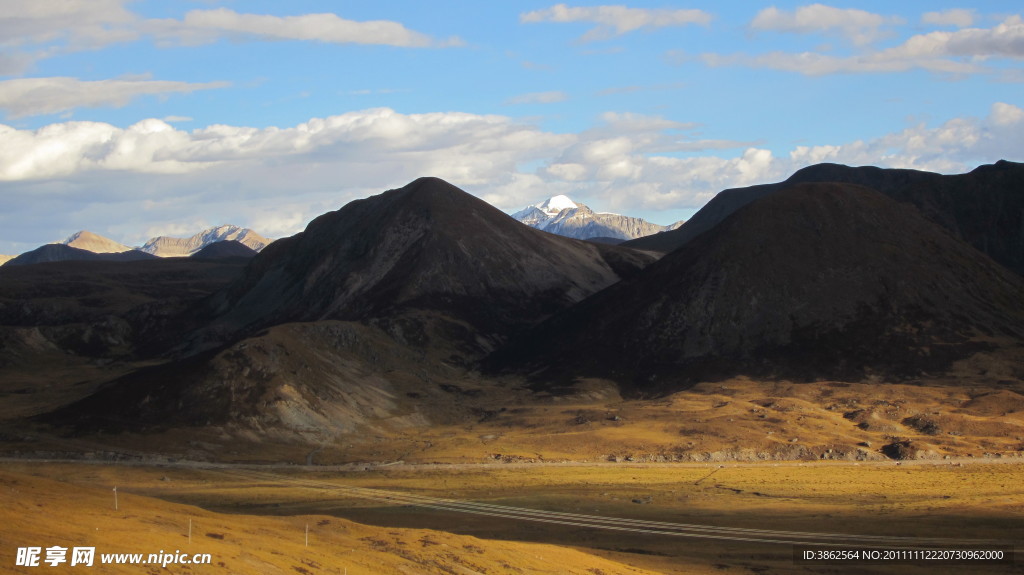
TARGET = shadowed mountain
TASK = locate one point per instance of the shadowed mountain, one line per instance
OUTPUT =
(606, 240)
(86, 313)
(985, 207)
(426, 255)
(225, 249)
(371, 314)
(813, 281)
(63, 253)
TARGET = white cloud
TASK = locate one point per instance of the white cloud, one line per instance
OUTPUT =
(1004, 40)
(1004, 114)
(13, 63)
(35, 96)
(149, 176)
(631, 168)
(955, 146)
(617, 20)
(538, 98)
(369, 92)
(958, 52)
(81, 23)
(858, 26)
(32, 31)
(621, 162)
(633, 122)
(379, 142)
(39, 29)
(816, 64)
(203, 26)
(957, 17)
(73, 175)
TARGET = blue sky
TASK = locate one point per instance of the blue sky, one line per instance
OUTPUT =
(139, 118)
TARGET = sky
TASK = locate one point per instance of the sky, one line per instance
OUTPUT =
(134, 119)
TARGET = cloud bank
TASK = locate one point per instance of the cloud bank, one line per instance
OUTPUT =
(858, 26)
(22, 97)
(615, 21)
(44, 28)
(205, 26)
(963, 51)
(153, 176)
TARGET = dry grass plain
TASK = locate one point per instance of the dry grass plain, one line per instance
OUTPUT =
(252, 522)
(734, 420)
(739, 453)
(77, 510)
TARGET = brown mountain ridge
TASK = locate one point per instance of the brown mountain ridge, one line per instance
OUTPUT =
(985, 207)
(381, 302)
(427, 254)
(822, 280)
(377, 317)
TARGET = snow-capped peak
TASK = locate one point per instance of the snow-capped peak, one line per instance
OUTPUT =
(549, 208)
(562, 216)
(555, 204)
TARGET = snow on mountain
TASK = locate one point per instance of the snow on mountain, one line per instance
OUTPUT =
(168, 247)
(554, 205)
(97, 244)
(560, 215)
(546, 209)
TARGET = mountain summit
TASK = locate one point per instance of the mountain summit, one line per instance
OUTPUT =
(560, 215)
(97, 244)
(817, 280)
(168, 247)
(985, 207)
(425, 257)
(544, 211)
(349, 321)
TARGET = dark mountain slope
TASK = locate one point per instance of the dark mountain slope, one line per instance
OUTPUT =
(984, 207)
(104, 308)
(814, 281)
(225, 249)
(305, 381)
(62, 253)
(427, 253)
(376, 305)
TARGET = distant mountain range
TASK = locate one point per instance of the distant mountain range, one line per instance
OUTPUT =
(560, 215)
(405, 308)
(168, 247)
(87, 246)
(64, 253)
(423, 278)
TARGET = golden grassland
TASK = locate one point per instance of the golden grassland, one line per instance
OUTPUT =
(734, 420)
(738, 419)
(72, 512)
(254, 524)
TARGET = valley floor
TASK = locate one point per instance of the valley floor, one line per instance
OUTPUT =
(515, 518)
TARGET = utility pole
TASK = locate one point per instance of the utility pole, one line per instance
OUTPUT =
(190, 530)
(307, 535)
(115, 498)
